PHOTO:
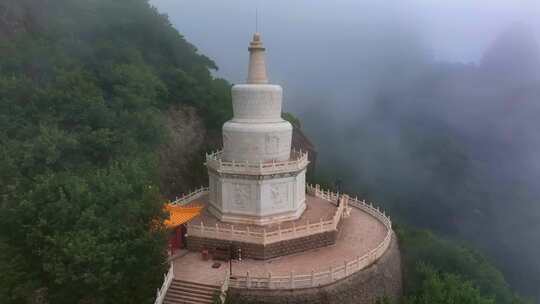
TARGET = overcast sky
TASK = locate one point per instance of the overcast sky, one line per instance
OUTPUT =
(453, 30)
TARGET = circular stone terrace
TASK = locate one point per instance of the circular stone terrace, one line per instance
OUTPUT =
(317, 209)
(364, 234)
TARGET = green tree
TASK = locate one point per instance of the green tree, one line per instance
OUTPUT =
(84, 87)
(450, 257)
(446, 288)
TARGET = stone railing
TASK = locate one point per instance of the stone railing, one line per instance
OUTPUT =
(267, 237)
(299, 160)
(332, 274)
(327, 195)
(167, 280)
(292, 280)
(224, 287)
(187, 198)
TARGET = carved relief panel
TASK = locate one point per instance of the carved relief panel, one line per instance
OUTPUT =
(279, 195)
(241, 196)
(212, 188)
(219, 193)
(301, 187)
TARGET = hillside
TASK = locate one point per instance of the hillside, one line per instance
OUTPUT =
(86, 93)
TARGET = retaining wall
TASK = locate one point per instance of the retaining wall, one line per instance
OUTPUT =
(263, 252)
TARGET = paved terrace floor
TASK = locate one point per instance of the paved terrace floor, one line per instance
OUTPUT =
(316, 209)
(359, 234)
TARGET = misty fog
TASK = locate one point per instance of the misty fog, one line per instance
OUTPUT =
(384, 88)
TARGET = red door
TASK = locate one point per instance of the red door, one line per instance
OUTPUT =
(174, 240)
(182, 237)
(177, 238)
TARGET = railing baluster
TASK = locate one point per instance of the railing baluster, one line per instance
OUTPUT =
(291, 279)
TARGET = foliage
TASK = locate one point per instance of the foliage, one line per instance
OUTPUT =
(83, 90)
(458, 264)
(292, 119)
(445, 289)
(383, 300)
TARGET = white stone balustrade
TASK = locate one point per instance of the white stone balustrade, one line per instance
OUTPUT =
(224, 287)
(299, 160)
(187, 198)
(167, 280)
(313, 279)
(229, 233)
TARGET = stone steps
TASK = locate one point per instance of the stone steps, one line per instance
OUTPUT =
(184, 292)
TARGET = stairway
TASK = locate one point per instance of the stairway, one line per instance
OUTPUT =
(183, 292)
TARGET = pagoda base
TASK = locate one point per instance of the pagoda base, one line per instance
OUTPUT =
(257, 199)
(247, 219)
(317, 209)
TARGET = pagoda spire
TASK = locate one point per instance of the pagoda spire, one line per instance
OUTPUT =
(257, 61)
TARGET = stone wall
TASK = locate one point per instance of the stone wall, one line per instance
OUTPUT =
(382, 279)
(263, 252)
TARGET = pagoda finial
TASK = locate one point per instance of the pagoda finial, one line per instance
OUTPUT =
(257, 61)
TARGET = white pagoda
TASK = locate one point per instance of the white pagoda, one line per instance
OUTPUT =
(258, 209)
(257, 178)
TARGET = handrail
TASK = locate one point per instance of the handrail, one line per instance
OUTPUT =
(298, 161)
(167, 280)
(307, 280)
(187, 198)
(269, 237)
(224, 287)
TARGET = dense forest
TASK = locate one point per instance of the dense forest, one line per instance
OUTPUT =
(96, 99)
(84, 91)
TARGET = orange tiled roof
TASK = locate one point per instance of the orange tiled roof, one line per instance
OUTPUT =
(181, 214)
